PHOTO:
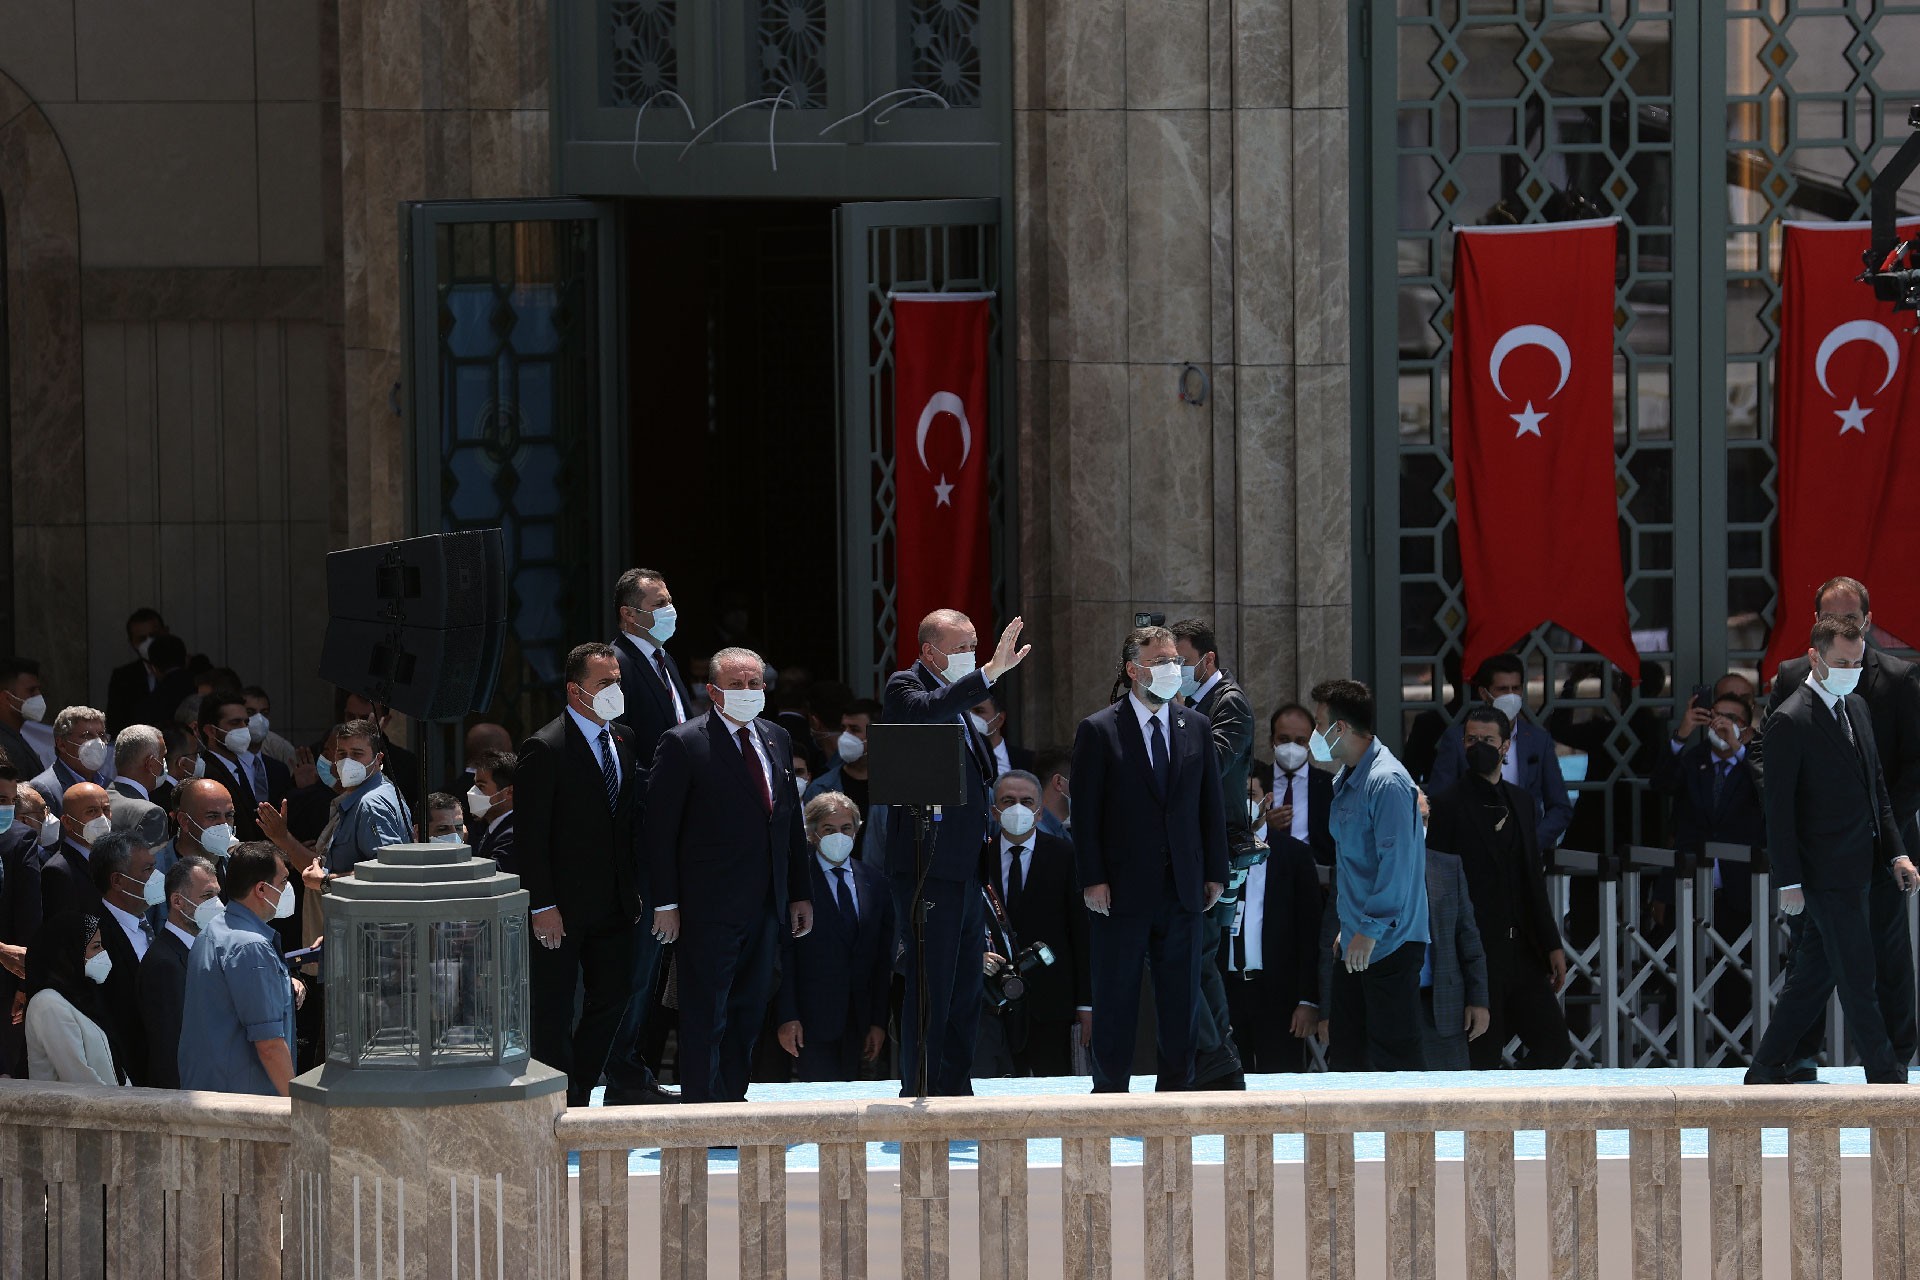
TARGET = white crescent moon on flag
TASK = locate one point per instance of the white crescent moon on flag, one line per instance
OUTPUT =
(938, 403)
(1529, 335)
(1857, 331)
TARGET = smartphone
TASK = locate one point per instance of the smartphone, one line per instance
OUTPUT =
(305, 953)
(1703, 696)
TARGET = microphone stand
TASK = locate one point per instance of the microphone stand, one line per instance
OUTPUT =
(923, 819)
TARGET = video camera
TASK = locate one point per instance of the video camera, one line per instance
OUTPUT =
(1893, 264)
(1007, 979)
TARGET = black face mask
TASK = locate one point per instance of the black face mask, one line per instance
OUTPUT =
(1483, 758)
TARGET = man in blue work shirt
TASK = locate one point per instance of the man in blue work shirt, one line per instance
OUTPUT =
(236, 1030)
(372, 814)
(1380, 868)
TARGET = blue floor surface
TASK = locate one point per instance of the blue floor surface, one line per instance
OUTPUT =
(1045, 1152)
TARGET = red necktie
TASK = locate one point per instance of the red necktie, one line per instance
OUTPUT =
(759, 774)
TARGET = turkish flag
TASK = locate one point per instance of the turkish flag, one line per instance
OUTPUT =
(1847, 436)
(943, 557)
(1533, 474)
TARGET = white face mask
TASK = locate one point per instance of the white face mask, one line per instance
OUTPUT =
(257, 726)
(98, 966)
(850, 747)
(49, 832)
(1841, 681)
(1290, 756)
(1253, 811)
(609, 703)
(801, 784)
(217, 839)
(836, 847)
(154, 892)
(207, 912)
(6, 818)
(1016, 820)
(98, 829)
(236, 741)
(959, 666)
(350, 772)
(1321, 749)
(93, 754)
(284, 907)
(665, 619)
(1189, 682)
(144, 649)
(1718, 743)
(979, 723)
(451, 837)
(1164, 681)
(34, 708)
(742, 705)
(478, 802)
(1510, 705)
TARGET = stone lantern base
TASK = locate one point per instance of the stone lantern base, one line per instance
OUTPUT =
(438, 1187)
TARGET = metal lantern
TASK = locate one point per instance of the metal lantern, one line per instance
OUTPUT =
(426, 982)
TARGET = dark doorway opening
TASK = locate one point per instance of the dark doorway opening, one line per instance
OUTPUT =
(733, 433)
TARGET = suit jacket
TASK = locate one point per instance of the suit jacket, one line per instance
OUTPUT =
(1737, 818)
(158, 708)
(574, 851)
(496, 842)
(1511, 932)
(1050, 909)
(122, 990)
(835, 981)
(20, 898)
(1540, 775)
(1891, 688)
(163, 999)
(1230, 719)
(52, 784)
(713, 848)
(65, 882)
(1830, 822)
(1319, 802)
(649, 710)
(1126, 831)
(126, 690)
(246, 804)
(917, 696)
(1291, 914)
(1459, 963)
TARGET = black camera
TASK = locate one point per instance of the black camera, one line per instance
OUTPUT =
(1007, 980)
(1893, 264)
(1149, 620)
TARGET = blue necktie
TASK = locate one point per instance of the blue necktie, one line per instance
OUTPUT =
(843, 893)
(608, 772)
(1159, 754)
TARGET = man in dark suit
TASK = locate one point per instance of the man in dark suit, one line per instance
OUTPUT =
(139, 762)
(163, 970)
(19, 908)
(1150, 840)
(1209, 689)
(727, 857)
(1301, 796)
(490, 801)
(249, 776)
(173, 683)
(989, 720)
(120, 865)
(1488, 824)
(129, 685)
(65, 880)
(1830, 831)
(1032, 877)
(577, 799)
(82, 752)
(1891, 690)
(938, 689)
(1531, 764)
(832, 1003)
(1453, 983)
(20, 701)
(1271, 958)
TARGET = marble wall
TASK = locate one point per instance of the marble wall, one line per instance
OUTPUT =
(173, 345)
(1180, 196)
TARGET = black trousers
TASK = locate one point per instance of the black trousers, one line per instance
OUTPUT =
(627, 1062)
(1262, 1025)
(829, 1061)
(1214, 1052)
(1833, 950)
(1523, 1005)
(1376, 1015)
(601, 960)
(726, 979)
(956, 942)
(1169, 936)
(1013, 1043)
(1893, 978)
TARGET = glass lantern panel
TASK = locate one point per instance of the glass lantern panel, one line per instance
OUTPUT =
(513, 986)
(465, 987)
(389, 995)
(339, 1042)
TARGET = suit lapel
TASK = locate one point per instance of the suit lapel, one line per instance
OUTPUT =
(1133, 743)
(662, 697)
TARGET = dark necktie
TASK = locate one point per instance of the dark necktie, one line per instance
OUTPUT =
(673, 699)
(1846, 724)
(843, 894)
(1159, 754)
(1722, 770)
(759, 774)
(1015, 881)
(609, 772)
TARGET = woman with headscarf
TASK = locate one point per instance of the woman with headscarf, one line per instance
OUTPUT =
(69, 1029)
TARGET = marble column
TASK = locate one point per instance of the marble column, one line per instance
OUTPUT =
(1180, 198)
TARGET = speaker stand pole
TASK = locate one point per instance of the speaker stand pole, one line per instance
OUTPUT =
(923, 818)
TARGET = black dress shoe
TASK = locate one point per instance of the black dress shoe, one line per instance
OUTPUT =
(1232, 1082)
(1805, 1073)
(1757, 1074)
(650, 1094)
(1893, 1075)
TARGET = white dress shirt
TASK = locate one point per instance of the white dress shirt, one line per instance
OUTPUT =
(130, 925)
(1301, 789)
(181, 934)
(135, 783)
(1250, 920)
(1007, 845)
(1143, 713)
(1200, 694)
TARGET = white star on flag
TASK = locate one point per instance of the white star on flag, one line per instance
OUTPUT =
(943, 493)
(1853, 418)
(1529, 421)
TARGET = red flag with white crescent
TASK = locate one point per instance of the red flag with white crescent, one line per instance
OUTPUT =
(943, 554)
(1532, 421)
(1847, 436)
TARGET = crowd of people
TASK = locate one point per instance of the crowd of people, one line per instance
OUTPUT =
(717, 899)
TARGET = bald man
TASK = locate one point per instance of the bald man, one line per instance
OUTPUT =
(65, 877)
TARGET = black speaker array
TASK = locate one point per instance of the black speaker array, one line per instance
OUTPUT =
(418, 625)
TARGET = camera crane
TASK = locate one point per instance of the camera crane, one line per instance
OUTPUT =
(1893, 264)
